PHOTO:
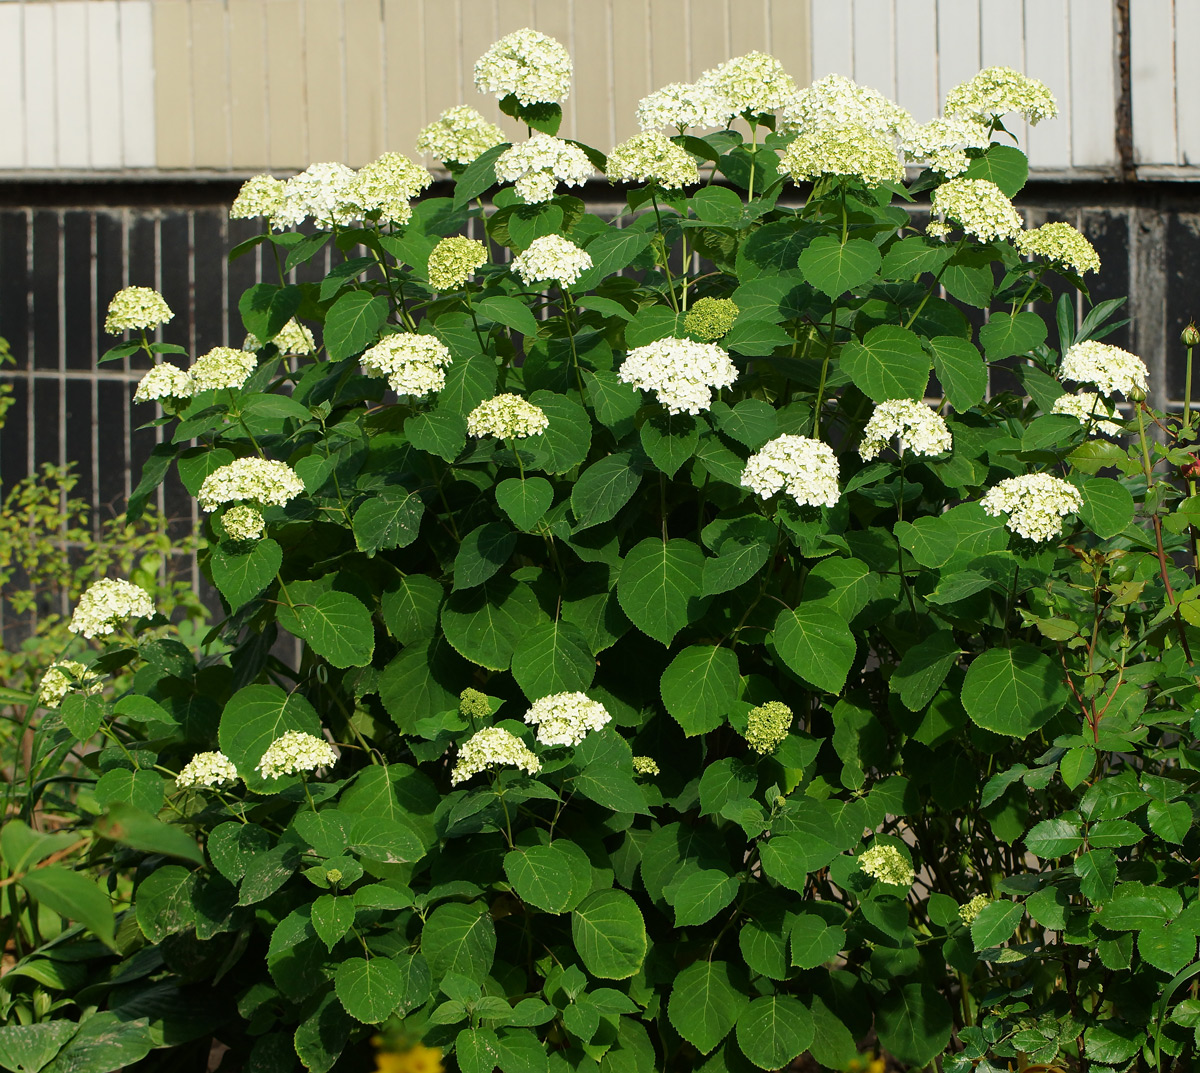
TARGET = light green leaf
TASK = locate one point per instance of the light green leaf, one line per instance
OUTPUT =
(1054, 837)
(609, 934)
(391, 520)
(698, 896)
(477, 1050)
(105, 1042)
(335, 624)
(73, 895)
(82, 714)
(369, 990)
(553, 657)
(785, 860)
(1107, 506)
(332, 916)
(242, 571)
(910, 257)
(541, 876)
(736, 565)
(701, 687)
(510, 312)
(139, 830)
(996, 923)
(1009, 334)
(775, 1030)
(658, 583)
(960, 370)
(353, 322)
(834, 268)
(889, 363)
(385, 839)
(1013, 691)
(253, 718)
(141, 789)
(26, 1048)
(1004, 165)
(816, 645)
(524, 500)
(459, 937)
(564, 444)
(814, 942)
(705, 1003)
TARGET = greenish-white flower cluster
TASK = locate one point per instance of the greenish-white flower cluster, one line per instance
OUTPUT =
(652, 158)
(978, 206)
(489, 748)
(997, 91)
(459, 135)
(551, 259)
(164, 381)
(221, 367)
(804, 468)
(749, 85)
(535, 167)
(566, 718)
(213, 770)
(382, 189)
(768, 725)
(261, 197)
(507, 417)
(261, 481)
(682, 373)
(136, 309)
(473, 704)
(322, 192)
(711, 318)
(65, 676)
(293, 752)
(1035, 503)
(292, 339)
(1108, 367)
(645, 765)
(968, 911)
(681, 105)
(835, 101)
(1091, 411)
(1060, 242)
(853, 152)
(106, 603)
(942, 144)
(528, 65)
(453, 261)
(888, 865)
(917, 427)
(243, 522)
(412, 364)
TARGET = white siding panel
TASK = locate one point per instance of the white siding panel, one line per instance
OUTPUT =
(832, 38)
(71, 83)
(41, 150)
(137, 83)
(1047, 58)
(12, 89)
(104, 85)
(1187, 81)
(957, 42)
(1093, 85)
(874, 54)
(916, 74)
(1152, 78)
(1003, 25)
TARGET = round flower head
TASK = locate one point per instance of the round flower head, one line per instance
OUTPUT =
(136, 308)
(67, 676)
(1109, 368)
(164, 381)
(324, 192)
(260, 196)
(551, 259)
(261, 481)
(835, 101)
(453, 261)
(459, 135)
(382, 190)
(222, 367)
(207, 769)
(750, 85)
(652, 158)
(978, 206)
(711, 318)
(243, 522)
(473, 704)
(106, 603)
(489, 748)
(645, 765)
(851, 152)
(888, 865)
(681, 372)
(805, 468)
(1062, 243)
(681, 105)
(969, 911)
(535, 167)
(566, 718)
(916, 426)
(412, 364)
(1090, 410)
(768, 726)
(292, 339)
(507, 417)
(293, 752)
(942, 144)
(1035, 503)
(995, 92)
(528, 65)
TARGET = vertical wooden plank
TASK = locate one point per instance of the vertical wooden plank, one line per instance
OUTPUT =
(407, 107)
(916, 60)
(512, 15)
(1003, 27)
(668, 55)
(957, 43)
(832, 39)
(287, 114)
(441, 50)
(1187, 83)
(12, 88)
(631, 65)
(40, 103)
(172, 87)
(249, 136)
(210, 85)
(592, 92)
(708, 25)
(874, 54)
(477, 33)
(791, 33)
(323, 68)
(104, 84)
(364, 82)
(553, 17)
(750, 28)
(1047, 57)
(1152, 82)
(139, 61)
(1094, 89)
(71, 83)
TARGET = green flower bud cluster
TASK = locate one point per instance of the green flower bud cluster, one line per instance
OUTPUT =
(710, 318)
(769, 725)
(473, 704)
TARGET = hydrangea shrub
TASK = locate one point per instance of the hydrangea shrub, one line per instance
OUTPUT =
(698, 667)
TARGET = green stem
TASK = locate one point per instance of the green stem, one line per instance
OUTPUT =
(753, 154)
(1187, 393)
(567, 307)
(824, 371)
(666, 254)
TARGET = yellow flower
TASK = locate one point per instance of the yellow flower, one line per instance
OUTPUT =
(417, 1059)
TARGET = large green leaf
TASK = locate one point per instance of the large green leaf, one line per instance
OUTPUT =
(437, 432)
(253, 718)
(335, 624)
(774, 1030)
(1013, 691)
(105, 1042)
(669, 440)
(706, 1000)
(923, 669)
(416, 684)
(26, 1048)
(369, 990)
(889, 363)
(510, 312)
(73, 895)
(483, 551)
(391, 520)
(611, 250)
(914, 1023)
(541, 876)
(459, 937)
(609, 934)
(486, 623)
(700, 895)
(816, 644)
(814, 942)
(525, 500)
(604, 488)
(996, 923)
(658, 583)
(1007, 334)
(477, 1050)
(553, 657)
(564, 444)
(410, 607)
(319, 1039)
(353, 322)
(960, 370)
(1107, 506)
(701, 687)
(140, 830)
(386, 839)
(834, 267)
(1004, 165)
(242, 571)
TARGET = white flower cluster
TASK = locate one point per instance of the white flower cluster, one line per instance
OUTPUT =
(681, 105)
(136, 308)
(164, 381)
(995, 92)
(681, 372)
(213, 769)
(106, 603)
(535, 167)
(1110, 368)
(1091, 411)
(382, 189)
(492, 747)
(260, 196)
(853, 151)
(243, 522)
(551, 259)
(528, 65)
(507, 417)
(293, 752)
(805, 468)
(979, 206)
(1060, 242)
(749, 85)
(645, 765)
(835, 101)
(888, 865)
(459, 135)
(453, 260)
(941, 144)
(566, 718)
(293, 338)
(1035, 504)
(221, 367)
(65, 676)
(768, 725)
(916, 426)
(254, 480)
(652, 158)
(323, 191)
(412, 364)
